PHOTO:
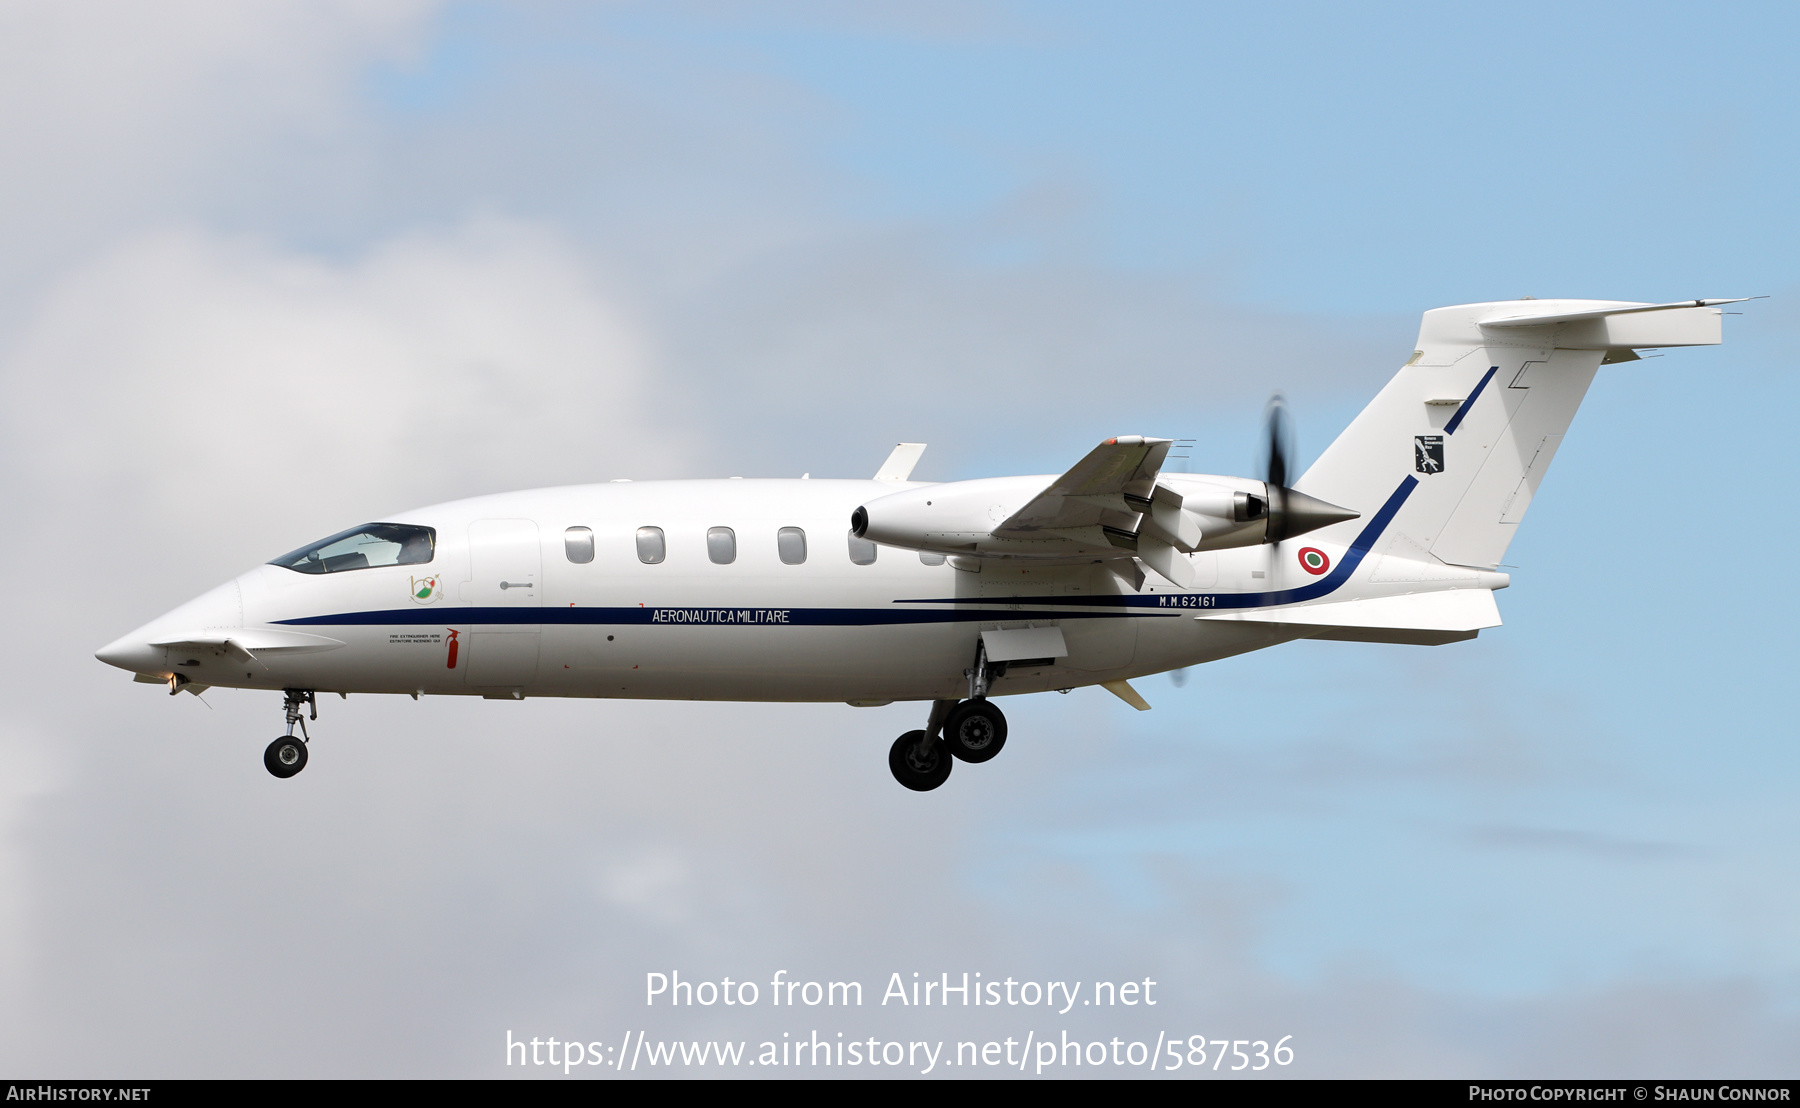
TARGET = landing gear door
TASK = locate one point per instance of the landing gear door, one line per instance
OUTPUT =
(506, 570)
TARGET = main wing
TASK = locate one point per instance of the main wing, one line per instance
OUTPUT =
(1109, 488)
(1111, 498)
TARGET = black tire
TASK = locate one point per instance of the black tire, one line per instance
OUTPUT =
(285, 757)
(920, 774)
(975, 730)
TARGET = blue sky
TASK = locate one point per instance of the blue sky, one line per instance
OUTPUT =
(1332, 159)
(769, 239)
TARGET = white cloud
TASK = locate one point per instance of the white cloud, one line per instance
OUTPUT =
(29, 772)
(185, 378)
(112, 110)
(189, 402)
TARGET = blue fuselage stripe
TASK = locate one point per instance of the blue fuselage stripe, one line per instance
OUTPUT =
(678, 616)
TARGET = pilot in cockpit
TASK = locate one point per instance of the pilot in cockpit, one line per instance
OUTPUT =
(415, 549)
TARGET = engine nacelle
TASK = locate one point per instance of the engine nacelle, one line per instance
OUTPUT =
(1187, 512)
(1253, 513)
(958, 517)
(1227, 516)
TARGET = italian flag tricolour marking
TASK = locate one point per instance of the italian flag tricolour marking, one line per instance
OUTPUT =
(1313, 560)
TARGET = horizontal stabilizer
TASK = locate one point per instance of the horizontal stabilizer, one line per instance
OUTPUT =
(1413, 618)
(1501, 327)
(1553, 316)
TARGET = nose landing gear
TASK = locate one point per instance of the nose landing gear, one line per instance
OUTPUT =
(286, 756)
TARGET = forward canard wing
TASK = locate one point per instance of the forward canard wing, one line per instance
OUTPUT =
(249, 642)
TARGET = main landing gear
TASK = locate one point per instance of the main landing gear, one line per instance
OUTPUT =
(286, 756)
(919, 760)
(973, 730)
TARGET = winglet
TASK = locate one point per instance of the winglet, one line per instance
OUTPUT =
(1124, 691)
(900, 463)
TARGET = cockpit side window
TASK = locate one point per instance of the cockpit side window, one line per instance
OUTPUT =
(372, 544)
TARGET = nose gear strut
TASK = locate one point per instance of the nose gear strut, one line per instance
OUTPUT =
(295, 699)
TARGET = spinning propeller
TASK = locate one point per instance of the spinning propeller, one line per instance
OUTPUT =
(1290, 513)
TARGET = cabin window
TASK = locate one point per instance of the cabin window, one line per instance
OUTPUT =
(578, 544)
(721, 545)
(790, 543)
(650, 545)
(862, 551)
(372, 544)
(931, 559)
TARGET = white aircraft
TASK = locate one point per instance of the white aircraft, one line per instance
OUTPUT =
(874, 591)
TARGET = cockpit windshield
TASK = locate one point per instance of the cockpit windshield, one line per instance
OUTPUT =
(372, 544)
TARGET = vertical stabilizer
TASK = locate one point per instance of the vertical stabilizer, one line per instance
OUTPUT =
(1475, 417)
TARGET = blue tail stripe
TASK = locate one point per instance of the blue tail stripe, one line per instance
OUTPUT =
(1456, 420)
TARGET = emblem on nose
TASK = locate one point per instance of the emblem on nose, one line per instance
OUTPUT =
(424, 589)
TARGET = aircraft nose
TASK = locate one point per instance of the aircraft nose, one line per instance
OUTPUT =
(132, 653)
(222, 608)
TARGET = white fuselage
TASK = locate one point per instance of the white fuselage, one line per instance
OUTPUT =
(767, 590)
(507, 613)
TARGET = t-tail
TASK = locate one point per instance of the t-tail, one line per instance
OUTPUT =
(1462, 436)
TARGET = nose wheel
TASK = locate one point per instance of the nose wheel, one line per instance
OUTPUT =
(286, 756)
